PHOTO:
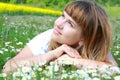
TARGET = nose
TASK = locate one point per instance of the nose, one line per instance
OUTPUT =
(60, 23)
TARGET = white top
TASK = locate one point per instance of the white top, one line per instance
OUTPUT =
(39, 44)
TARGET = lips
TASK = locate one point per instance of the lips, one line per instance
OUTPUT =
(57, 32)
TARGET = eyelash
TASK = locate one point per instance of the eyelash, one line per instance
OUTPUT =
(67, 21)
(70, 23)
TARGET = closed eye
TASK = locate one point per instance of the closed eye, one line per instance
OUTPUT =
(67, 20)
(70, 23)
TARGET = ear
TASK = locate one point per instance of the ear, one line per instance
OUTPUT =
(80, 43)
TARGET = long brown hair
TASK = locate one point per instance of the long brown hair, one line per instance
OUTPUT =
(96, 29)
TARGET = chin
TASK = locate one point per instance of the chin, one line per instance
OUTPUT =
(57, 39)
(54, 38)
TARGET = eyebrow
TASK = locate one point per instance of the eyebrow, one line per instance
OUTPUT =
(69, 20)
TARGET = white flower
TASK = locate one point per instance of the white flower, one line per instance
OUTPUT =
(82, 73)
(26, 78)
(64, 76)
(18, 70)
(118, 59)
(90, 70)
(33, 74)
(66, 62)
(1, 52)
(72, 76)
(116, 53)
(105, 66)
(19, 43)
(95, 74)
(13, 50)
(42, 63)
(7, 43)
(3, 75)
(115, 70)
(39, 69)
(15, 74)
(12, 47)
(88, 78)
(44, 78)
(26, 69)
(8, 58)
(35, 67)
(50, 69)
(103, 69)
(18, 50)
(24, 63)
(56, 67)
(96, 78)
(4, 49)
(117, 77)
(117, 47)
(52, 63)
(106, 76)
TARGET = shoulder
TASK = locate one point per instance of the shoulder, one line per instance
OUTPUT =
(39, 44)
(47, 32)
(44, 35)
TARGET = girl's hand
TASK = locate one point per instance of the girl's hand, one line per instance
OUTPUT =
(10, 65)
(5, 67)
(67, 50)
(65, 59)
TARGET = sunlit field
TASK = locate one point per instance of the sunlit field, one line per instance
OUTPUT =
(20, 23)
(16, 31)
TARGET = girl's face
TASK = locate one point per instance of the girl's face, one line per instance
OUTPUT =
(66, 31)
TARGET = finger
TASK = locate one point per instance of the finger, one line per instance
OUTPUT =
(76, 53)
(72, 52)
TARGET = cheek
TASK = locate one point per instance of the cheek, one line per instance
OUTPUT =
(73, 37)
(70, 33)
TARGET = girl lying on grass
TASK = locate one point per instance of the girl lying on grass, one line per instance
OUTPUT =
(81, 34)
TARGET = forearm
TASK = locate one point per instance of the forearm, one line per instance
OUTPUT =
(37, 59)
(91, 63)
(47, 57)
(14, 63)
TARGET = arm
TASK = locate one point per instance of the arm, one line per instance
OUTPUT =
(51, 55)
(81, 62)
(26, 55)
(87, 62)
(13, 63)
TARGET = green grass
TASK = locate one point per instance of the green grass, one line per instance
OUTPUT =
(113, 11)
(115, 48)
(16, 29)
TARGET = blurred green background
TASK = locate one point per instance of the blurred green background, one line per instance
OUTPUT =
(21, 28)
(57, 4)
